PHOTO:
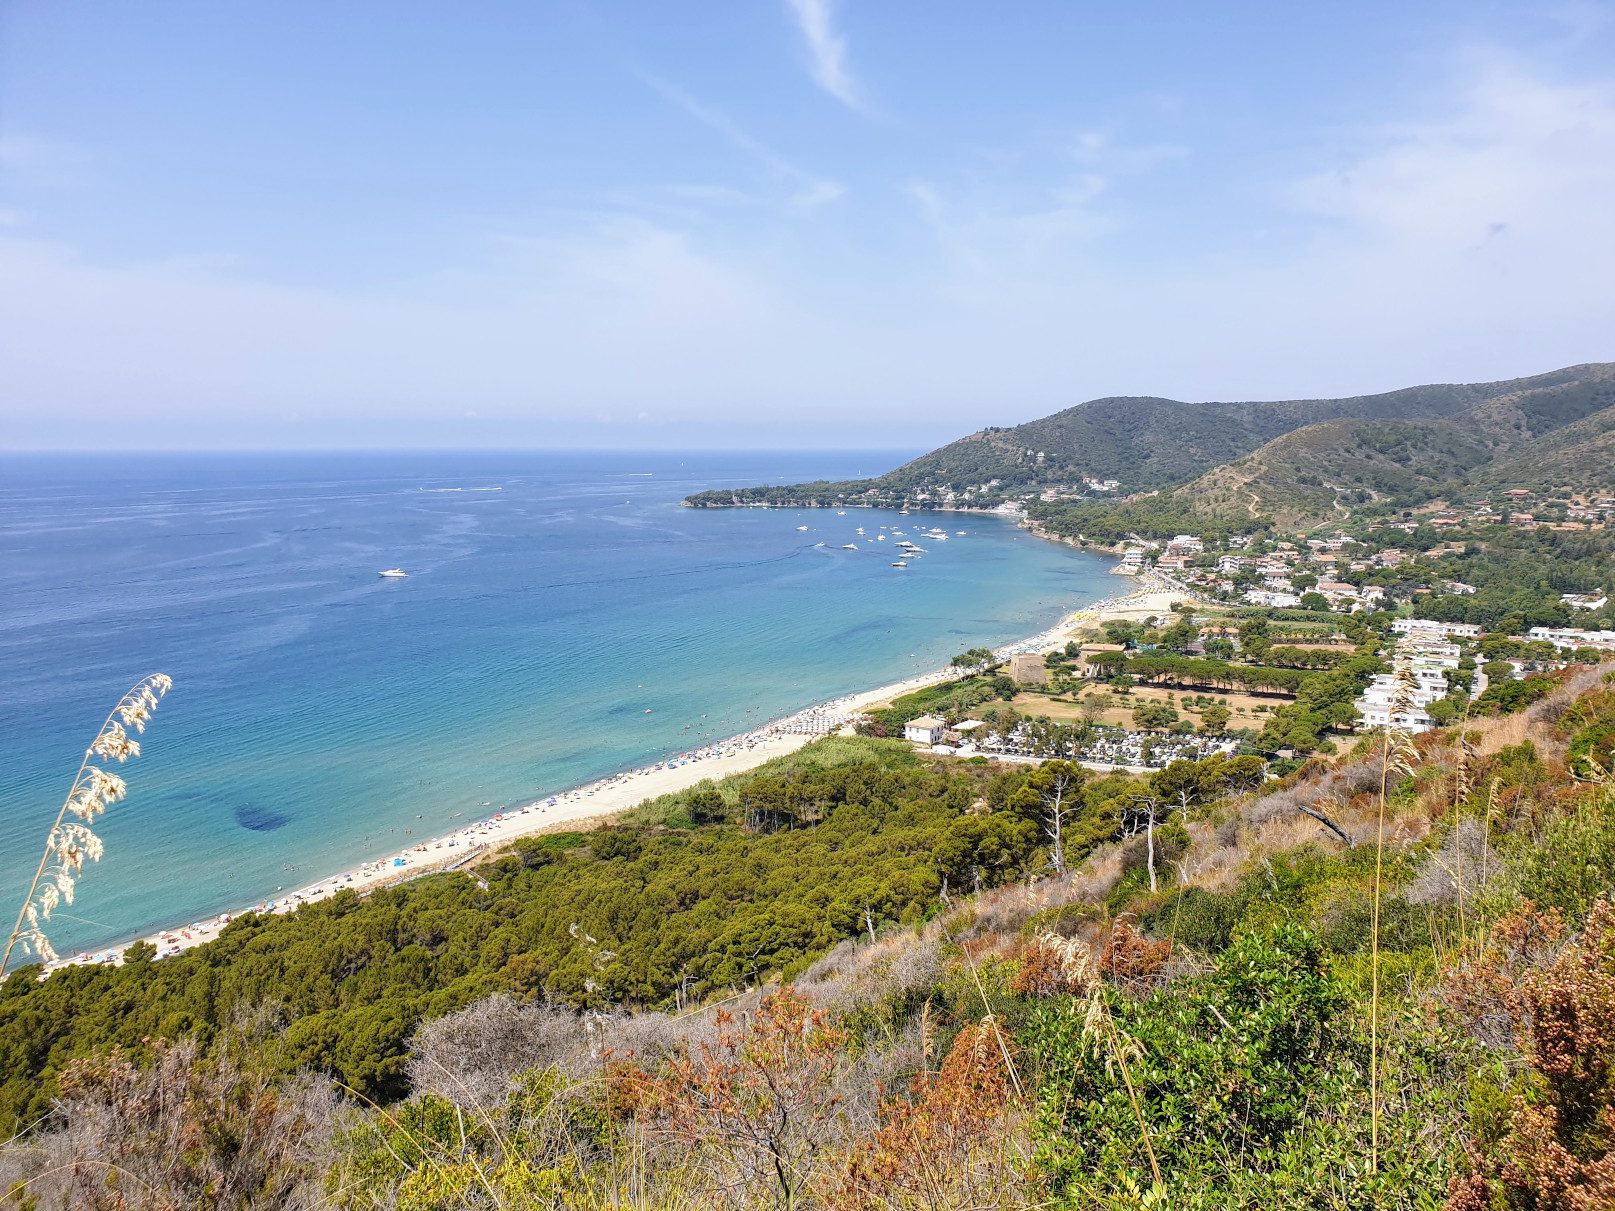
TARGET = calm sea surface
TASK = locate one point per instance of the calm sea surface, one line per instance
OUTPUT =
(322, 715)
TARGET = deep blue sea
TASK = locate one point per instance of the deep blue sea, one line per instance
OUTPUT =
(320, 711)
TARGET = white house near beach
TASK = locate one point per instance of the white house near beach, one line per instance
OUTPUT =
(927, 729)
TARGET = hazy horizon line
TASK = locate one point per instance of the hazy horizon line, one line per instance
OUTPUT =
(125, 451)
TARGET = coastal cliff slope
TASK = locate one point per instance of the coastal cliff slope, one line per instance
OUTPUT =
(1285, 462)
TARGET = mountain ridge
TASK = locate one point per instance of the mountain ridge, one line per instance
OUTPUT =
(1204, 453)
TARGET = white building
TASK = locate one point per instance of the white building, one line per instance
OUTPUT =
(1271, 599)
(1436, 630)
(1569, 638)
(1585, 601)
(1418, 677)
(927, 729)
(1424, 653)
(1379, 705)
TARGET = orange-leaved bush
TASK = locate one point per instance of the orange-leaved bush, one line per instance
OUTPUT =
(753, 1110)
(1558, 1150)
(955, 1141)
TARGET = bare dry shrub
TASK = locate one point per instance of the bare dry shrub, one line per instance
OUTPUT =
(882, 1066)
(1329, 791)
(1097, 877)
(473, 1057)
(186, 1131)
(895, 969)
(1465, 865)
(751, 1114)
(651, 1037)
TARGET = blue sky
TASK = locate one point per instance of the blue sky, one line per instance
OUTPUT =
(779, 222)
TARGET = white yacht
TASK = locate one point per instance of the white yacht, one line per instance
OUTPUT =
(847, 546)
(801, 527)
(395, 573)
(899, 564)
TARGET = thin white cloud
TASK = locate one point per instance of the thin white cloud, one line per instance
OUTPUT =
(1518, 152)
(827, 49)
(808, 190)
(1022, 206)
(1471, 240)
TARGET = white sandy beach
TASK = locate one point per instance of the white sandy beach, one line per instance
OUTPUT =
(618, 793)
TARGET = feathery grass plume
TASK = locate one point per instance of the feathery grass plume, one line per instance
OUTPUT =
(71, 842)
(1396, 759)
(1079, 976)
(1100, 1030)
(1462, 789)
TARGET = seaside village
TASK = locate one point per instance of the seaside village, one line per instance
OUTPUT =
(1284, 646)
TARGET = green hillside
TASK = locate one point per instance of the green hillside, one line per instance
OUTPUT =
(1560, 431)
(1326, 467)
(1146, 443)
(1580, 455)
(1552, 430)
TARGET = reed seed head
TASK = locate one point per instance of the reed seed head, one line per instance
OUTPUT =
(71, 842)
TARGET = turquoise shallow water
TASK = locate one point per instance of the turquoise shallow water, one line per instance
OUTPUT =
(320, 711)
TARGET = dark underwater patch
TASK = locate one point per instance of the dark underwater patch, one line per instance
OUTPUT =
(260, 819)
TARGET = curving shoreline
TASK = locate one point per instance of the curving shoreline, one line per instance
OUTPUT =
(616, 793)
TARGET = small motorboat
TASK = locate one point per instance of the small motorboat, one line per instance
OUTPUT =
(393, 573)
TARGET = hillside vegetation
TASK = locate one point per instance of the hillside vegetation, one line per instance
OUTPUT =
(1324, 468)
(1283, 462)
(1237, 1006)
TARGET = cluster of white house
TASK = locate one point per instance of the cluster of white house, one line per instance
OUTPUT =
(1571, 638)
(1423, 656)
